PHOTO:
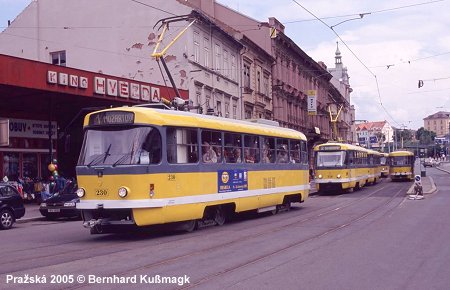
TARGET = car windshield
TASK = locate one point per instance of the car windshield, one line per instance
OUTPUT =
(119, 146)
(330, 159)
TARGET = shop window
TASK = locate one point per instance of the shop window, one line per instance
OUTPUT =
(29, 165)
(11, 165)
(45, 161)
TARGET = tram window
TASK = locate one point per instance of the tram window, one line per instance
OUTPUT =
(211, 146)
(251, 149)
(268, 150)
(282, 151)
(350, 159)
(233, 147)
(304, 152)
(330, 159)
(294, 151)
(150, 152)
(182, 146)
(121, 146)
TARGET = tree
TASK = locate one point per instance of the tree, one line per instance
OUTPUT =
(424, 136)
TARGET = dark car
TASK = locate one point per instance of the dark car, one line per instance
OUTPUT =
(11, 206)
(61, 204)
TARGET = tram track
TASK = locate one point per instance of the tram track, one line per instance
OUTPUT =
(297, 222)
(63, 251)
(296, 243)
(276, 226)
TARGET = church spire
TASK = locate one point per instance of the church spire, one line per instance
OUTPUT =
(337, 57)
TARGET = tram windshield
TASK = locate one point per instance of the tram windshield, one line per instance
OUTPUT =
(383, 160)
(401, 160)
(330, 159)
(121, 146)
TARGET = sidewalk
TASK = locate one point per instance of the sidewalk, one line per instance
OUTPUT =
(32, 213)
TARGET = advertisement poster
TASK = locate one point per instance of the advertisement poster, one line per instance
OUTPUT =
(232, 180)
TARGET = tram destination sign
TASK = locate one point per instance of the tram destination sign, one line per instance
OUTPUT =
(330, 148)
(111, 118)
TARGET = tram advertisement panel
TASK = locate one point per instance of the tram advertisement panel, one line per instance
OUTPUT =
(232, 180)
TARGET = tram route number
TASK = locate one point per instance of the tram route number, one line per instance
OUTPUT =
(171, 177)
(101, 192)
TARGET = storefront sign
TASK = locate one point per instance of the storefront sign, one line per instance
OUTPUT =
(126, 90)
(106, 86)
(64, 79)
(312, 102)
(31, 128)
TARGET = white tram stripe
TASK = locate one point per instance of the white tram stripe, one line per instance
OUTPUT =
(340, 180)
(161, 202)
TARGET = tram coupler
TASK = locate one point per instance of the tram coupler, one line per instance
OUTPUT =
(92, 223)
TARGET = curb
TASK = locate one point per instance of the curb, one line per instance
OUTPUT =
(26, 220)
(432, 190)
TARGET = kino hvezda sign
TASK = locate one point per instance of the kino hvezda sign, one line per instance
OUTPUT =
(106, 86)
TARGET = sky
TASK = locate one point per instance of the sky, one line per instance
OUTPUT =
(395, 44)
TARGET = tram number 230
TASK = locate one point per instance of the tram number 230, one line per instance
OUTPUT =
(101, 192)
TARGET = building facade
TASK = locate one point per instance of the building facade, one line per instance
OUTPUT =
(341, 81)
(119, 40)
(294, 74)
(42, 111)
(375, 135)
(439, 123)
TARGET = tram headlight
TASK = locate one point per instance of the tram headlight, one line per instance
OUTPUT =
(81, 192)
(338, 176)
(123, 191)
(320, 176)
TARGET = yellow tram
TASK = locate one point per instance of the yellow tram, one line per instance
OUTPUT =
(341, 166)
(374, 164)
(401, 165)
(384, 165)
(144, 166)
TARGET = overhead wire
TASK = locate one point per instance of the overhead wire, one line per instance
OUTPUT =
(365, 13)
(354, 54)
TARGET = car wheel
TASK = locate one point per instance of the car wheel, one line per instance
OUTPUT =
(6, 219)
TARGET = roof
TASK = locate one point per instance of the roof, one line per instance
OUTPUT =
(371, 126)
(341, 146)
(439, 115)
(192, 120)
(401, 153)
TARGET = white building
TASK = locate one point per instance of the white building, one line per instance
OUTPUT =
(118, 38)
(375, 135)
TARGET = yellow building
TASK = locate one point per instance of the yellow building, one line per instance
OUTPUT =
(438, 122)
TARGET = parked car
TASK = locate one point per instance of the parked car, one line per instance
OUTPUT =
(428, 163)
(61, 204)
(11, 206)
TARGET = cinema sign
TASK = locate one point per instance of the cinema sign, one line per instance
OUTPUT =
(107, 86)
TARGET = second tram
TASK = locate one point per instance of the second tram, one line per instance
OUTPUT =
(341, 166)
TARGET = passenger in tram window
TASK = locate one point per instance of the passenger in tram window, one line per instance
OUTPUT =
(266, 154)
(282, 156)
(237, 155)
(209, 156)
(248, 156)
(218, 151)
